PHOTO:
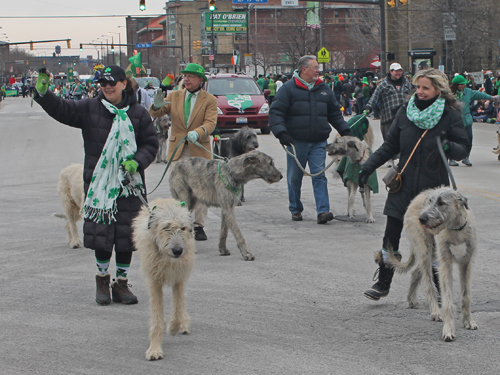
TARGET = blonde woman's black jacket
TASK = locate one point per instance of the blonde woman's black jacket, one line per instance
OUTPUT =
(426, 169)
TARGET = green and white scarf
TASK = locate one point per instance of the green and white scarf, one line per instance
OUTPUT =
(429, 117)
(105, 186)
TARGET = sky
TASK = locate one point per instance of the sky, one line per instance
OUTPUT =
(79, 30)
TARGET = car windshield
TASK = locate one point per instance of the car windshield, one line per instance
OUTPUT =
(143, 81)
(233, 86)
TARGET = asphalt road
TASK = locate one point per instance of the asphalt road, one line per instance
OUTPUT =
(297, 309)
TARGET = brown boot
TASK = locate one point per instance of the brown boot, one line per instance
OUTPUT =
(121, 292)
(102, 296)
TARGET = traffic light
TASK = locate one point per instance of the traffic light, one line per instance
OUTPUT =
(211, 5)
(404, 2)
(27, 62)
(390, 56)
(198, 44)
(74, 62)
(43, 62)
(392, 3)
(142, 5)
(31, 46)
(112, 47)
(194, 44)
(68, 43)
(81, 47)
(59, 62)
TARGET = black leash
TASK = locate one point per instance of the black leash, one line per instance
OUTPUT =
(445, 160)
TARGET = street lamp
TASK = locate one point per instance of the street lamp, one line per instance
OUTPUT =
(107, 53)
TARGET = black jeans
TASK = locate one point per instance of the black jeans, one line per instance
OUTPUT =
(392, 235)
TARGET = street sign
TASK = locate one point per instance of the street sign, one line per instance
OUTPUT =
(210, 57)
(290, 3)
(148, 72)
(248, 59)
(323, 55)
(143, 45)
(84, 61)
(249, 1)
(449, 34)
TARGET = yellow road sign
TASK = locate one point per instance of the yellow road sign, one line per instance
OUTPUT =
(323, 55)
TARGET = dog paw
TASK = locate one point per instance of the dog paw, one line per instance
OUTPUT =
(248, 256)
(436, 317)
(178, 327)
(76, 244)
(239, 204)
(224, 252)
(470, 325)
(154, 353)
(370, 220)
(448, 336)
(412, 305)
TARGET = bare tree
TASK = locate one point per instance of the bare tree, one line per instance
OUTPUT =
(472, 21)
(363, 36)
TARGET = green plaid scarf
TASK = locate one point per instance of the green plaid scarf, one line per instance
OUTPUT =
(105, 186)
(429, 117)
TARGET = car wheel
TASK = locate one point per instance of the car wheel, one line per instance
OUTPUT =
(265, 130)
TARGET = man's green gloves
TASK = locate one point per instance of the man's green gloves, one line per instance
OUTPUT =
(158, 99)
(42, 83)
(130, 166)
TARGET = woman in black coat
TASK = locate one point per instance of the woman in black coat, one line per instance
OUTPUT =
(117, 133)
(434, 108)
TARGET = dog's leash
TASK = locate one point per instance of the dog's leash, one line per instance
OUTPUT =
(130, 180)
(294, 155)
(445, 161)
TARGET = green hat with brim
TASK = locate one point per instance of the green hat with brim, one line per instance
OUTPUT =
(459, 80)
(365, 81)
(195, 69)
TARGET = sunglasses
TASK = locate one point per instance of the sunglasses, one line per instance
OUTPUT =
(104, 83)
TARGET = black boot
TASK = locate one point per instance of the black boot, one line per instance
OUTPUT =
(102, 296)
(121, 292)
(381, 287)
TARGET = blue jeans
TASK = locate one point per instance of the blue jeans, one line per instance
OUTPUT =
(313, 154)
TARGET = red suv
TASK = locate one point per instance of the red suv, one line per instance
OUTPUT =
(240, 102)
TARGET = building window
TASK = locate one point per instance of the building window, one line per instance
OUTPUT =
(278, 13)
(346, 13)
(336, 14)
(272, 15)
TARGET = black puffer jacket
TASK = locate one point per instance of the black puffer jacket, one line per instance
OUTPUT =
(306, 114)
(95, 121)
(425, 169)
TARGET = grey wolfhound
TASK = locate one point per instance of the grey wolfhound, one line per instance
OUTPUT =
(439, 224)
(241, 142)
(162, 124)
(70, 190)
(358, 152)
(164, 240)
(217, 184)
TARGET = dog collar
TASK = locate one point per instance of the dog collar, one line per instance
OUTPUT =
(227, 184)
(460, 227)
(362, 156)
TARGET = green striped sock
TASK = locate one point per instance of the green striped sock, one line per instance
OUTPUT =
(102, 266)
(122, 270)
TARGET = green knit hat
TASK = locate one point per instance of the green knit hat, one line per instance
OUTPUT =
(195, 69)
(459, 80)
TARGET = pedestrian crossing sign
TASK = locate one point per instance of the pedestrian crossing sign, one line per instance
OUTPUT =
(323, 55)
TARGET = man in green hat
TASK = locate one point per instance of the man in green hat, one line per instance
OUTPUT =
(194, 115)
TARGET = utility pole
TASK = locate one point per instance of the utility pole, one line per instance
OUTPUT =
(190, 57)
(383, 41)
(182, 44)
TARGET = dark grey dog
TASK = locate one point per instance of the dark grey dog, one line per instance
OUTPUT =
(162, 124)
(217, 184)
(241, 142)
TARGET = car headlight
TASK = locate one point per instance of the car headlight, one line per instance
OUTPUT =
(219, 111)
(264, 108)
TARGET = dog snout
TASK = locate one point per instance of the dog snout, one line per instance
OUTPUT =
(423, 219)
(177, 251)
